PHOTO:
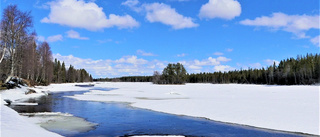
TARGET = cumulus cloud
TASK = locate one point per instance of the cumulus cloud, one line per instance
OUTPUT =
(181, 55)
(255, 65)
(223, 68)
(87, 15)
(55, 38)
(143, 53)
(133, 4)
(225, 9)
(297, 24)
(223, 59)
(316, 41)
(41, 38)
(229, 50)
(125, 66)
(218, 53)
(131, 60)
(75, 35)
(270, 62)
(159, 12)
(132, 65)
(197, 66)
(98, 68)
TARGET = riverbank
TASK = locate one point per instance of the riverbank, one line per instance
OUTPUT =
(14, 125)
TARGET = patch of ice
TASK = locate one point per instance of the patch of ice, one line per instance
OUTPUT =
(60, 122)
(24, 104)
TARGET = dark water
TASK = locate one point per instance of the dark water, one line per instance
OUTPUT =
(115, 119)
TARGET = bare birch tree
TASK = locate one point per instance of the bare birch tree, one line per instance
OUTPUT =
(15, 26)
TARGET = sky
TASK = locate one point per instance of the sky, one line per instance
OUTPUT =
(113, 38)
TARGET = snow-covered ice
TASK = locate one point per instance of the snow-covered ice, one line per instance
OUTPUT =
(60, 122)
(287, 108)
(13, 125)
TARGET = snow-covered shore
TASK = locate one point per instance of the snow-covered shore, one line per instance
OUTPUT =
(14, 125)
(287, 108)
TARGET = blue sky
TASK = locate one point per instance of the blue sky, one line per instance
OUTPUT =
(112, 38)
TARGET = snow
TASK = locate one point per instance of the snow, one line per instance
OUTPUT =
(13, 125)
(287, 108)
(60, 122)
(18, 94)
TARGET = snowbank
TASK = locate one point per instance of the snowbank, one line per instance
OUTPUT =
(18, 94)
(13, 125)
(287, 108)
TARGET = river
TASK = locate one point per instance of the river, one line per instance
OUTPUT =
(119, 119)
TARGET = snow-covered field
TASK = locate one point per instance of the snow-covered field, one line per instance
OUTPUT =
(287, 108)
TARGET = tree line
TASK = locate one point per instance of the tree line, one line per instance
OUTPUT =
(303, 70)
(22, 56)
(62, 75)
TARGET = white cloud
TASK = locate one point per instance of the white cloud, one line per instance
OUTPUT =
(197, 66)
(88, 15)
(223, 68)
(162, 13)
(218, 53)
(297, 24)
(131, 60)
(159, 12)
(316, 41)
(98, 68)
(132, 65)
(255, 65)
(181, 55)
(210, 61)
(180, 0)
(270, 62)
(229, 50)
(143, 53)
(125, 66)
(133, 4)
(223, 59)
(225, 9)
(55, 38)
(41, 38)
(75, 35)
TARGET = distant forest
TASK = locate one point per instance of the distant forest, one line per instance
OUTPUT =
(303, 70)
(22, 56)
